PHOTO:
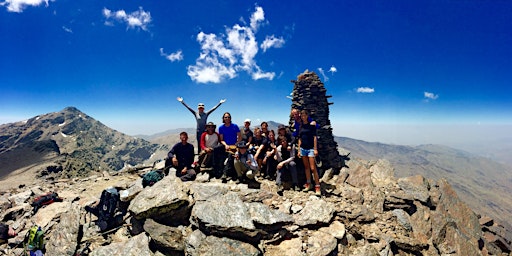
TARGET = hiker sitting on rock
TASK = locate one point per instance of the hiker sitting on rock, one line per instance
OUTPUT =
(258, 142)
(229, 137)
(246, 132)
(212, 150)
(285, 157)
(6, 232)
(181, 157)
(245, 165)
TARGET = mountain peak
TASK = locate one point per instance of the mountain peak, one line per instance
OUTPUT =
(70, 141)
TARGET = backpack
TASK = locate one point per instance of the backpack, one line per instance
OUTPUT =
(4, 233)
(34, 239)
(151, 178)
(45, 199)
(109, 201)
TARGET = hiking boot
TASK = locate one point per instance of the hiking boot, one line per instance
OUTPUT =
(307, 187)
(295, 187)
(318, 191)
(250, 175)
(280, 190)
(224, 178)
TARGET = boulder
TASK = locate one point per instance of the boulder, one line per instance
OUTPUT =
(135, 246)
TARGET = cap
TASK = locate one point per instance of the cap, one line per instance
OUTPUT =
(281, 127)
(247, 120)
(241, 144)
(211, 124)
(200, 105)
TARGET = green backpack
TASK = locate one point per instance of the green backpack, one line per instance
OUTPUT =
(152, 177)
(34, 240)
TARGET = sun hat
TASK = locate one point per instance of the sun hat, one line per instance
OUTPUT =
(200, 105)
(247, 120)
(211, 124)
(281, 127)
(241, 144)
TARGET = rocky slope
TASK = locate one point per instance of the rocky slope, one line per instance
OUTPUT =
(68, 142)
(364, 210)
(485, 185)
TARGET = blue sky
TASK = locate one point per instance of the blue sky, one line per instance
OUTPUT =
(405, 72)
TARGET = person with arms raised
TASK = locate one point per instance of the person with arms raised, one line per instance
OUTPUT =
(201, 118)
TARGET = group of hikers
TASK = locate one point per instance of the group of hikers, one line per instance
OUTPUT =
(245, 155)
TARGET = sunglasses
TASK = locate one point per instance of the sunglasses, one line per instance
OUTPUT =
(227, 117)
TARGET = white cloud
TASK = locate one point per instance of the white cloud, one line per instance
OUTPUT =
(322, 72)
(19, 5)
(176, 56)
(365, 90)
(430, 96)
(257, 17)
(67, 29)
(137, 19)
(332, 69)
(223, 56)
(272, 41)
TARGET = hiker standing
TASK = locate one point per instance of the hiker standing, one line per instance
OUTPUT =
(308, 151)
(201, 118)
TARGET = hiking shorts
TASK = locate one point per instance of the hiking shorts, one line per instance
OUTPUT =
(307, 152)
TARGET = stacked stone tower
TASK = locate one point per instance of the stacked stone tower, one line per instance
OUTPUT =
(309, 93)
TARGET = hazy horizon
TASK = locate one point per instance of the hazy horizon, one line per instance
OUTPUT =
(404, 72)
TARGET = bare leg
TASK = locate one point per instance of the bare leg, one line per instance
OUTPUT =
(307, 169)
(312, 165)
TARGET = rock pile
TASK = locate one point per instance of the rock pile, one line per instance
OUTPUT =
(364, 210)
(309, 93)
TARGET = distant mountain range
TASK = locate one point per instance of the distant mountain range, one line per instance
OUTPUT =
(72, 143)
(482, 183)
(68, 142)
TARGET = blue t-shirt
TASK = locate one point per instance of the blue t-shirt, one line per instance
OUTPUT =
(229, 133)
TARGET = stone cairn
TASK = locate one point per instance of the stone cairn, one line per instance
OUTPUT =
(309, 93)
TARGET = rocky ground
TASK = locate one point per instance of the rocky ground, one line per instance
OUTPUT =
(363, 210)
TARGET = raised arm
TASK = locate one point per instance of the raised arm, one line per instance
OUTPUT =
(216, 106)
(180, 99)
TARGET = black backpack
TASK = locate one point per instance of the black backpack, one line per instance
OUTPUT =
(106, 209)
(108, 204)
(45, 199)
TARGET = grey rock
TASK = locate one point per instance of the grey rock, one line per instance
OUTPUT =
(63, 240)
(20, 198)
(197, 243)
(135, 246)
(316, 211)
(167, 238)
(152, 202)
(416, 186)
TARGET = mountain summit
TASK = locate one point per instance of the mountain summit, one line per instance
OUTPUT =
(68, 142)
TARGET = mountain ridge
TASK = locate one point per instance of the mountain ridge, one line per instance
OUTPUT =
(59, 137)
(69, 142)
